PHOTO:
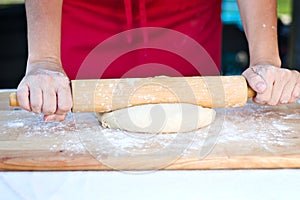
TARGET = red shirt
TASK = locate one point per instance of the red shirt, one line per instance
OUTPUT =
(87, 23)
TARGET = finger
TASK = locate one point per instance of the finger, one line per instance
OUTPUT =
(55, 117)
(295, 93)
(64, 100)
(265, 97)
(255, 81)
(36, 100)
(49, 102)
(276, 92)
(23, 97)
(287, 93)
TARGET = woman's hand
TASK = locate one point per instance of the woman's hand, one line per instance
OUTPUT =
(45, 89)
(273, 85)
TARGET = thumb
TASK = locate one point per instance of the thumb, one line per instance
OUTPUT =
(255, 81)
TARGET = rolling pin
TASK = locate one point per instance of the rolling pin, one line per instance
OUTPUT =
(104, 95)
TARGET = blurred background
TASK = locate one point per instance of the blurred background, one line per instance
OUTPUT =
(235, 58)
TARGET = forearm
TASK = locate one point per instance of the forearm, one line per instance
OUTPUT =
(44, 30)
(260, 24)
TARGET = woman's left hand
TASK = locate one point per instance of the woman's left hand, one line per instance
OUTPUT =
(273, 85)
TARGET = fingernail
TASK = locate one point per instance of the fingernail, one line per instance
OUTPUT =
(260, 87)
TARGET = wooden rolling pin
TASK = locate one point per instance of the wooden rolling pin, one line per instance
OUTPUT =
(104, 95)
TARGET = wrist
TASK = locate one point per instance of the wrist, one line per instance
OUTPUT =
(273, 62)
(49, 64)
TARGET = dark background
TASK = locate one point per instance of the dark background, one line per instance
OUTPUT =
(13, 45)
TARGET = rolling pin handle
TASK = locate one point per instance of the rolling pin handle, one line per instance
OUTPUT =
(13, 100)
(251, 93)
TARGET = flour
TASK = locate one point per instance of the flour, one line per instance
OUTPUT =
(292, 116)
(59, 136)
(37, 127)
(126, 140)
(70, 147)
(264, 129)
(15, 124)
(265, 125)
(281, 127)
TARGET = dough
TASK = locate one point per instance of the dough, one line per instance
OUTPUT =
(159, 118)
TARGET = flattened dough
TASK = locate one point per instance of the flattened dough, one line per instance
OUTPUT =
(159, 118)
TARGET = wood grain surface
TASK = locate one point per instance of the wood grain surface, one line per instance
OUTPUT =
(104, 95)
(251, 137)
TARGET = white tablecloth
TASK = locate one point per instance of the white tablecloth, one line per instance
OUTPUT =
(187, 185)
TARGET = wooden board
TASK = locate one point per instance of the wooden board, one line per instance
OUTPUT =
(254, 136)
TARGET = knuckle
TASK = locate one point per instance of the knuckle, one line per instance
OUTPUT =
(47, 78)
(22, 94)
(21, 88)
(282, 76)
(21, 98)
(247, 72)
(43, 78)
(271, 71)
(295, 72)
(64, 80)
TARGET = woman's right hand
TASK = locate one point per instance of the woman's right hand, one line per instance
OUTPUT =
(45, 89)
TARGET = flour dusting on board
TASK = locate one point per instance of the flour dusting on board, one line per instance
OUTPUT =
(137, 141)
(15, 124)
(264, 128)
(246, 130)
(269, 127)
(56, 136)
(36, 126)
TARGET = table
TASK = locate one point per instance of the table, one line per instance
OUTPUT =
(251, 140)
(251, 137)
(159, 185)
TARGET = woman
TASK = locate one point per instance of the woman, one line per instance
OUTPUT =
(61, 34)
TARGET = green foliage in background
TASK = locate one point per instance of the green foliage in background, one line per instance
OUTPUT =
(11, 1)
(284, 7)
